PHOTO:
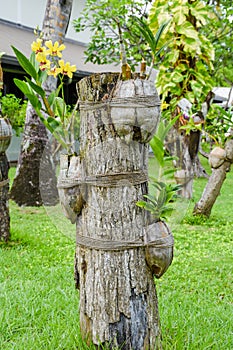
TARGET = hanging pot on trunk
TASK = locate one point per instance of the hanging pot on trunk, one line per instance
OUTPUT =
(69, 187)
(5, 134)
(159, 244)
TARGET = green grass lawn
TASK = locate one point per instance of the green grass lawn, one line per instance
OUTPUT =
(39, 303)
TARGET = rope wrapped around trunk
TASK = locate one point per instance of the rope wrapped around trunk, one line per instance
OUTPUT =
(127, 102)
(106, 180)
(109, 245)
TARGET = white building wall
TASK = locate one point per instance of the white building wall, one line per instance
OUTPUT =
(30, 13)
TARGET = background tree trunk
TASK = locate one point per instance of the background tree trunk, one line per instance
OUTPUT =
(118, 301)
(4, 197)
(215, 182)
(34, 160)
(35, 171)
(185, 148)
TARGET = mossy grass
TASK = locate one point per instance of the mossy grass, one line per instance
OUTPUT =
(39, 303)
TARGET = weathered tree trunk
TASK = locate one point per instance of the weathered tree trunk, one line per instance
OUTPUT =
(33, 177)
(118, 301)
(5, 137)
(34, 166)
(220, 161)
(185, 148)
(4, 204)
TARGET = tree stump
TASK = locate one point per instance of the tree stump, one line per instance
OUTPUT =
(5, 137)
(118, 301)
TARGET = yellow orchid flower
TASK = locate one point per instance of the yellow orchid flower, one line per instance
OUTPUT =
(54, 71)
(37, 47)
(44, 62)
(66, 68)
(54, 49)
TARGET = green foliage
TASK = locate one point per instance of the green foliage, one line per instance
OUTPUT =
(157, 142)
(159, 204)
(185, 69)
(102, 18)
(191, 126)
(219, 31)
(151, 39)
(218, 124)
(14, 109)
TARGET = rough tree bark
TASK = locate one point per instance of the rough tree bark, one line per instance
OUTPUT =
(220, 161)
(185, 148)
(5, 136)
(4, 204)
(118, 301)
(35, 172)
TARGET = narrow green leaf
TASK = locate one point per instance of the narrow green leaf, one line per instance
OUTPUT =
(141, 204)
(51, 98)
(36, 88)
(23, 86)
(59, 107)
(157, 148)
(42, 76)
(28, 92)
(25, 64)
(53, 123)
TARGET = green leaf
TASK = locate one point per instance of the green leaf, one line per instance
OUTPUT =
(188, 30)
(28, 92)
(162, 197)
(54, 124)
(141, 204)
(42, 76)
(25, 64)
(180, 13)
(152, 199)
(36, 88)
(23, 86)
(59, 107)
(34, 62)
(157, 148)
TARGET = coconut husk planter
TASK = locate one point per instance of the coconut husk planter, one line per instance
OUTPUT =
(159, 244)
(5, 139)
(118, 301)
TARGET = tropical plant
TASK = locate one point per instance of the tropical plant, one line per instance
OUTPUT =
(157, 142)
(219, 31)
(159, 201)
(159, 204)
(116, 32)
(152, 39)
(108, 20)
(47, 61)
(218, 125)
(14, 110)
(185, 69)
